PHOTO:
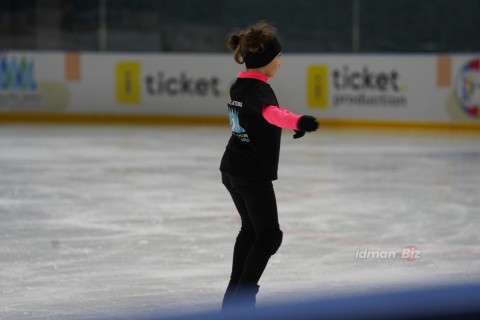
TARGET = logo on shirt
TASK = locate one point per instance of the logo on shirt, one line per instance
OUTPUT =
(235, 103)
(237, 129)
(234, 121)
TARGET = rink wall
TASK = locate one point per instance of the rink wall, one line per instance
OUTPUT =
(347, 90)
(452, 302)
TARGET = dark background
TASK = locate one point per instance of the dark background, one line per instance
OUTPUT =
(310, 26)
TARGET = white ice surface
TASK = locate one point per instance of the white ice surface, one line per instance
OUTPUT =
(99, 221)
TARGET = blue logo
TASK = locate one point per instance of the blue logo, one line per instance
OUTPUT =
(234, 121)
(17, 74)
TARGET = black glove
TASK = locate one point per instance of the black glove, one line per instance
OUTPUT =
(298, 134)
(307, 123)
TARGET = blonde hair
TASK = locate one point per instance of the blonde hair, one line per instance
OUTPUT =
(250, 40)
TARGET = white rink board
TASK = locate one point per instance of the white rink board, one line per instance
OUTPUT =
(344, 87)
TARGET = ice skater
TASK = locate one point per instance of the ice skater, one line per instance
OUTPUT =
(250, 162)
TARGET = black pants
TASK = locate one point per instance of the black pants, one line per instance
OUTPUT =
(260, 235)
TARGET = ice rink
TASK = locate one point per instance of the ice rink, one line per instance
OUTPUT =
(98, 221)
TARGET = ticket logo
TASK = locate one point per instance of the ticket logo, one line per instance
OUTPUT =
(317, 86)
(127, 82)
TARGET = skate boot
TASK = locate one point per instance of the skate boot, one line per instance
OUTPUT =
(244, 297)
(228, 294)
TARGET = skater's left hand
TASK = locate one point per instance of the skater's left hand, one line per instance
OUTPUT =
(305, 124)
(298, 134)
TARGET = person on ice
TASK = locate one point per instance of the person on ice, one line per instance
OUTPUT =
(250, 162)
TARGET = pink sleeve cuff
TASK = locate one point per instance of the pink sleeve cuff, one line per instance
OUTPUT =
(280, 117)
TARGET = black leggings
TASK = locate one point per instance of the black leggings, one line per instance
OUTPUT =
(260, 235)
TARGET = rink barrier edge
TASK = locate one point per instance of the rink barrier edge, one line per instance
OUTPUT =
(218, 120)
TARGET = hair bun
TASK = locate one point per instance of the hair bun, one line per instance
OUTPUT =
(253, 39)
(234, 42)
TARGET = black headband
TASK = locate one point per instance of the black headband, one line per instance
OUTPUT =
(262, 58)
